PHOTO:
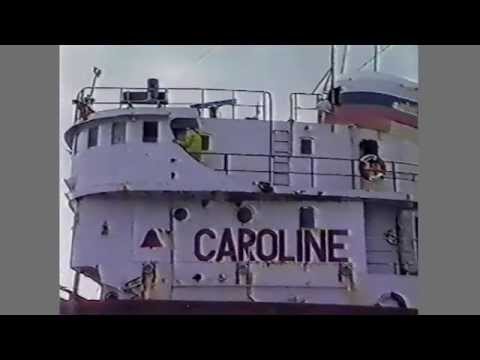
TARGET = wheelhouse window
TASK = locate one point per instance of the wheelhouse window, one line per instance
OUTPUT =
(307, 217)
(150, 131)
(368, 147)
(205, 142)
(306, 146)
(92, 136)
(118, 133)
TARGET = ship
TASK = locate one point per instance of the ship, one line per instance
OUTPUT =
(272, 216)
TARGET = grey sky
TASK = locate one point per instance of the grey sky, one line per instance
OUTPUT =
(278, 69)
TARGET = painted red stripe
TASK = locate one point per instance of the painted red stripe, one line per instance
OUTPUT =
(370, 116)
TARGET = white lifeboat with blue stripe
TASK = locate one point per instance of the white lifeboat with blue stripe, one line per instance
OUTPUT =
(376, 101)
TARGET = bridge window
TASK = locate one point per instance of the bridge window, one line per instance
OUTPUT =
(118, 133)
(307, 217)
(368, 147)
(205, 142)
(150, 131)
(92, 136)
(306, 146)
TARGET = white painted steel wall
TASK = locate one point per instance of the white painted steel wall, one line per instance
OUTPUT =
(372, 286)
(381, 256)
(148, 166)
(119, 256)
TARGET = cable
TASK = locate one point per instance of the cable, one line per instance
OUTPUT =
(324, 77)
(198, 60)
(373, 58)
(204, 55)
(342, 69)
(344, 59)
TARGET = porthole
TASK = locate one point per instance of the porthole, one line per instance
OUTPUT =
(244, 214)
(180, 214)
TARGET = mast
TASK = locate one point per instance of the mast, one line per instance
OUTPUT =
(375, 58)
(344, 59)
(332, 66)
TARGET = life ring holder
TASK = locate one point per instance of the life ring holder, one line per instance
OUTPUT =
(367, 170)
(392, 296)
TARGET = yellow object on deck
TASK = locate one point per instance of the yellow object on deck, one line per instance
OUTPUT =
(193, 145)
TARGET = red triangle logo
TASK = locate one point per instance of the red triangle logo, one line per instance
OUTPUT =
(152, 240)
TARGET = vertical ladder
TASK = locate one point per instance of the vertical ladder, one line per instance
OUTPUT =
(281, 151)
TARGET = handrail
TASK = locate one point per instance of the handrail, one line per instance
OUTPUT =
(264, 100)
(294, 107)
(301, 157)
(392, 174)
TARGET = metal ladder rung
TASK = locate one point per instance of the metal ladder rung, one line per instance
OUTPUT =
(281, 158)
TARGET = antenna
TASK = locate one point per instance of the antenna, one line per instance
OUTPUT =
(329, 75)
(332, 65)
(96, 74)
(344, 59)
(375, 58)
(324, 78)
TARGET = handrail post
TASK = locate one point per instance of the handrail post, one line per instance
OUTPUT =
(394, 177)
(352, 168)
(270, 107)
(233, 105)
(291, 106)
(120, 102)
(296, 107)
(270, 168)
(225, 163)
(312, 178)
(264, 107)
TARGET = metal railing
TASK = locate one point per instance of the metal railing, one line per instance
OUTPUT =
(353, 168)
(263, 106)
(295, 98)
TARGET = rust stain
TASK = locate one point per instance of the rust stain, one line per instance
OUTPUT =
(162, 307)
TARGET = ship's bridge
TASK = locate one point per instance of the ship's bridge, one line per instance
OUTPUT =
(143, 198)
(124, 140)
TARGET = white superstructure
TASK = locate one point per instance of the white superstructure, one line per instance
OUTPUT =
(276, 210)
